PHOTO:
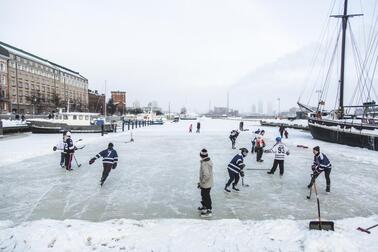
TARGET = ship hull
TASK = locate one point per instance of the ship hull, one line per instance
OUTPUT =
(50, 128)
(335, 134)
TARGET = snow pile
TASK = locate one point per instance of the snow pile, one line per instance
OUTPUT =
(186, 235)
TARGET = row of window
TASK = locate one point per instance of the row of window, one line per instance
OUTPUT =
(43, 70)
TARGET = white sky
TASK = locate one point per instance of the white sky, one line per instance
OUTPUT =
(188, 52)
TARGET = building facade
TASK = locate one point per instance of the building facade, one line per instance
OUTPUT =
(4, 98)
(36, 85)
(96, 102)
(119, 100)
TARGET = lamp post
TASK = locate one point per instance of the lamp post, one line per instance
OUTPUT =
(279, 101)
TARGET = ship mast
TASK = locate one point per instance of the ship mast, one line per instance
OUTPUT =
(345, 18)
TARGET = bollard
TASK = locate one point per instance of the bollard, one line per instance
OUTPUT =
(1, 128)
(102, 129)
(132, 125)
(123, 125)
(128, 124)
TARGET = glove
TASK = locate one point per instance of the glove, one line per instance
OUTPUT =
(242, 174)
(92, 161)
(75, 148)
(55, 148)
(313, 168)
(114, 165)
(242, 166)
(287, 153)
(266, 151)
(198, 185)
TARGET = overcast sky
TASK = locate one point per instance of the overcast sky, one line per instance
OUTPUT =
(189, 52)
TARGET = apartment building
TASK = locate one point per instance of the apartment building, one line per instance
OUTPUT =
(37, 85)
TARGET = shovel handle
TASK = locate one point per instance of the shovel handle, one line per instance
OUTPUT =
(363, 230)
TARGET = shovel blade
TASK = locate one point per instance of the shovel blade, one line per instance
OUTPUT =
(322, 225)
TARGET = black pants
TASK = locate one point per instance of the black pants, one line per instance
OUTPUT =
(68, 160)
(233, 141)
(253, 147)
(62, 158)
(279, 163)
(106, 171)
(206, 199)
(233, 177)
(327, 172)
(259, 153)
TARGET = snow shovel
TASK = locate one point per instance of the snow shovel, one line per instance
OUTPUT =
(320, 225)
(366, 230)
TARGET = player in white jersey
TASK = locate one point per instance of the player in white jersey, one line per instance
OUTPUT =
(279, 150)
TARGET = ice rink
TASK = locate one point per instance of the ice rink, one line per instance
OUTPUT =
(157, 177)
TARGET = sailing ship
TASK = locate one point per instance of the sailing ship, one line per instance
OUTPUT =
(353, 125)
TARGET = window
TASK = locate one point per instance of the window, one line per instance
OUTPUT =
(86, 117)
(74, 117)
(65, 117)
(80, 117)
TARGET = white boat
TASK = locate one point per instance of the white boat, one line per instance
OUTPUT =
(76, 122)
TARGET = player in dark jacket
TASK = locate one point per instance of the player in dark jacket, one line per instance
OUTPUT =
(233, 135)
(109, 161)
(235, 168)
(69, 150)
(321, 163)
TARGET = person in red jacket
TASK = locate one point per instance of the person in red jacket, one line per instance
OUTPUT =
(260, 144)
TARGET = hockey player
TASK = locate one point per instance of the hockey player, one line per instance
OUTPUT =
(281, 130)
(205, 183)
(260, 144)
(109, 161)
(198, 127)
(286, 133)
(321, 163)
(235, 170)
(233, 135)
(257, 132)
(60, 146)
(190, 128)
(69, 150)
(279, 150)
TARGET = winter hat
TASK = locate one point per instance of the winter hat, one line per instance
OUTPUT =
(243, 150)
(278, 139)
(317, 148)
(110, 145)
(68, 134)
(203, 153)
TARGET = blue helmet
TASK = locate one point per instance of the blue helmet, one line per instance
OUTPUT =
(278, 139)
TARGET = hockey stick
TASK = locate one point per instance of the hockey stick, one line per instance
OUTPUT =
(309, 196)
(245, 185)
(80, 148)
(77, 163)
(258, 169)
(366, 230)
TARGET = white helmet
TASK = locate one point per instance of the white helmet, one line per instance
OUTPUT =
(68, 134)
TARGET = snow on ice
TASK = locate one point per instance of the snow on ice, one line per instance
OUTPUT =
(149, 202)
